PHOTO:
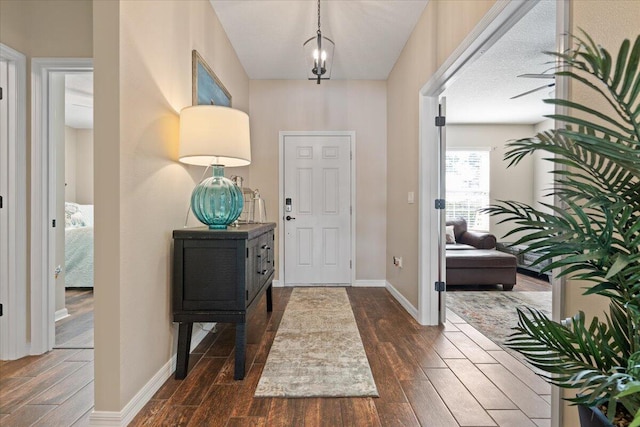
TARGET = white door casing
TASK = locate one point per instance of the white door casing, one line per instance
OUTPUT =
(43, 201)
(13, 223)
(317, 180)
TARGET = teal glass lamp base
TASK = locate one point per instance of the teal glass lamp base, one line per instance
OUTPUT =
(217, 201)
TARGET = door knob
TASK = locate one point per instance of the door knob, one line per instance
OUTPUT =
(289, 218)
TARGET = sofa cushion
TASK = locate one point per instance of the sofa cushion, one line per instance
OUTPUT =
(459, 247)
(479, 259)
(459, 227)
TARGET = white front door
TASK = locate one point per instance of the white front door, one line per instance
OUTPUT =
(317, 211)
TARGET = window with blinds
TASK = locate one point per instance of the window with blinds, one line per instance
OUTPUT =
(467, 175)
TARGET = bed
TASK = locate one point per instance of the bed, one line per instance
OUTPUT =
(78, 240)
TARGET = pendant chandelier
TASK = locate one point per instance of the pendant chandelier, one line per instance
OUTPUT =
(319, 55)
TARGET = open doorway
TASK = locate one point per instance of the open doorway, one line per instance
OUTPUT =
(74, 243)
(493, 101)
(48, 216)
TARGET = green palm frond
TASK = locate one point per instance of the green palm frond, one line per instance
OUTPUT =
(592, 232)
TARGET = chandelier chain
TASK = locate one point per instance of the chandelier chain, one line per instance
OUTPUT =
(318, 16)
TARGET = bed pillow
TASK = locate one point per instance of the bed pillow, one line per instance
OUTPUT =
(87, 214)
(451, 237)
(72, 216)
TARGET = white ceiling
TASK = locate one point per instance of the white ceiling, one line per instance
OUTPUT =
(78, 108)
(481, 93)
(369, 35)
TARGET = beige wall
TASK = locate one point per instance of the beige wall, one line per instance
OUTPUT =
(596, 18)
(542, 171)
(440, 29)
(142, 80)
(608, 22)
(79, 165)
(84, 166)
(515, 183)
(360, 106)
(70, 142)
(47, 28)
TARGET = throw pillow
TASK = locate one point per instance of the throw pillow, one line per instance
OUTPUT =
(72, 216)
(451, 237)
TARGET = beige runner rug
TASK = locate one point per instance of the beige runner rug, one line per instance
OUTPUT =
(317, 351)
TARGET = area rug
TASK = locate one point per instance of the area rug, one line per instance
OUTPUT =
(317, 351)
(494, 313)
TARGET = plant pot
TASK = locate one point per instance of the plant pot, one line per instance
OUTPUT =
(592, 417)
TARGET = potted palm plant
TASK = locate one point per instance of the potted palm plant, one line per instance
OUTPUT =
(592, 233)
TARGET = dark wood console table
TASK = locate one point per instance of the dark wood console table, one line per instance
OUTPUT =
(218, 276)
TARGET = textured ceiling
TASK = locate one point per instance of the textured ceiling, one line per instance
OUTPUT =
(78, 109)
(481, 93)
(369, 35)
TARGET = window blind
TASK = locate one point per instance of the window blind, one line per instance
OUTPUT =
(467, 178)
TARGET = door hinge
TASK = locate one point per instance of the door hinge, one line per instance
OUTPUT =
(440, 203)
(440, 286)
(247, 294)
(0, 202)
(350, 264)
(1, 93)
(350, 210)
(247, 252)
(53, 223)
(350, 155)
(440, 121)
(0, 309)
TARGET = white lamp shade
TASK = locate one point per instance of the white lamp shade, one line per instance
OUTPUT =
(211, 134)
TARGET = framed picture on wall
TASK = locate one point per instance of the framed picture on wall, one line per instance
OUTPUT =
(206, 89)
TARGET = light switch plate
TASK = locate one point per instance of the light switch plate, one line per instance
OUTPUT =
(411, 197)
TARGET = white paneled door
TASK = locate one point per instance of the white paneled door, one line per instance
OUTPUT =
(317, 211)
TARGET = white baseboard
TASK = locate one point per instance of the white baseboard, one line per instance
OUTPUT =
(369, 284)
(61, 314)
(278, 284)
(403, 301)
(131, 409)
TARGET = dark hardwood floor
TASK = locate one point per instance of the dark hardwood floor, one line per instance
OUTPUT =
(426, 376)
(76, 330)
(525, 282)
(429, 376)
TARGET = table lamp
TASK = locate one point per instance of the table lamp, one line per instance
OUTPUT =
(215, 136)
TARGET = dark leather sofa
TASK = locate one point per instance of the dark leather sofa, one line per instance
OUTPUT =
(473, 259)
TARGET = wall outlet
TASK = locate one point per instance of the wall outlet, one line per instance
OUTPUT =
(397, 261)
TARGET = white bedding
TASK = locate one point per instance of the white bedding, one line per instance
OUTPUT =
(78, 240)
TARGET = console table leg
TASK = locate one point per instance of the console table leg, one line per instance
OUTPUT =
(269, 299)
(184, 342)
(241, 349)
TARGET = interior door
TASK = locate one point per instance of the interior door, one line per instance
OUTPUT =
(442, 191)
(317, 211)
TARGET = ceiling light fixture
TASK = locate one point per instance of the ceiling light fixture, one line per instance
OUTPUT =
(319, 54)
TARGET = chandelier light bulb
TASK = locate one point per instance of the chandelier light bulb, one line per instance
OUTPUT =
(318, 49)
